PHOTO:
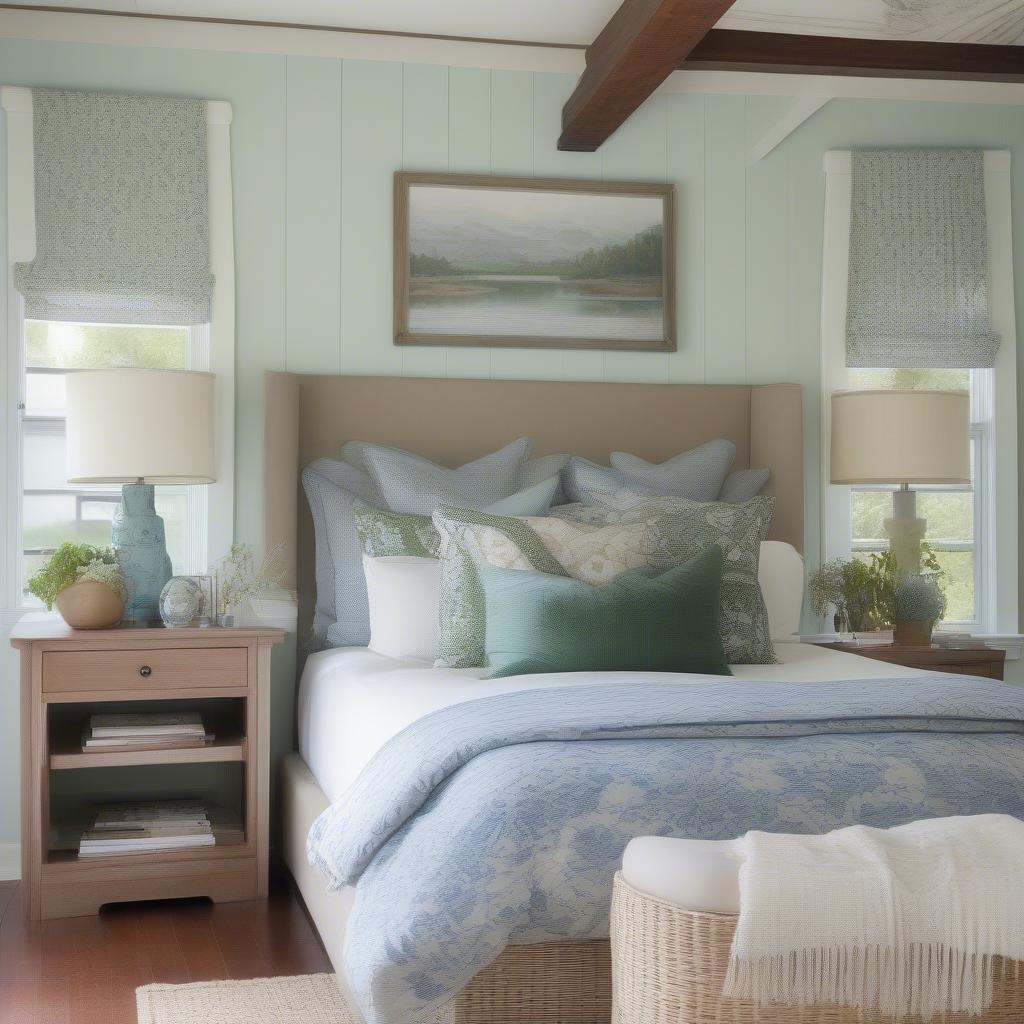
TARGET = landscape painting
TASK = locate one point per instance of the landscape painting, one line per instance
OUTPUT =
(525, 262)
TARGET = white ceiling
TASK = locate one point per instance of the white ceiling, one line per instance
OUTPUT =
(577, 22)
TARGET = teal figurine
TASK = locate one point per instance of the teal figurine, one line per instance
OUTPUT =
(139, 542)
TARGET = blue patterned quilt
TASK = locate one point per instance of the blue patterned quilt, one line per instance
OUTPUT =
(502, 820)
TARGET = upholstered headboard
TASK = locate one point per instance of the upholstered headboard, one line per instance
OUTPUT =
(452, 421)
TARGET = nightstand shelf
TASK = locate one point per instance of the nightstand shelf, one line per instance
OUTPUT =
(66, 755)
(224, 674)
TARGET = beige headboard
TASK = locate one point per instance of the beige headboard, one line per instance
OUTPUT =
(453, 421)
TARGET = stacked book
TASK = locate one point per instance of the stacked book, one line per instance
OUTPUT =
(147, 828)
(163, 731)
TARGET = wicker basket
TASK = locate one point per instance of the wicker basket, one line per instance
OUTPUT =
(542, 983)
(668, 967)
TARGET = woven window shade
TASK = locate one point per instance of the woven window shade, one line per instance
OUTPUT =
(918, 285)
(122, 221)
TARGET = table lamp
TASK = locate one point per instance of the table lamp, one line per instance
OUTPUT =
(904, 438)
(139, 428)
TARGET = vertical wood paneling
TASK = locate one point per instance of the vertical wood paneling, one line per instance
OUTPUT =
(313, 212)
(769, 339)
(638, 151)
(512, 122)
(424, 148)
(371, 151)
(469, 139)
(469, 151)
(549, 95)
(685, 153)
(725, 354)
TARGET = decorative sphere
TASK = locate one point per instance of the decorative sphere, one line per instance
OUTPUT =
(180, 601)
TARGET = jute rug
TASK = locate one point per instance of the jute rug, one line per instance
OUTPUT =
(305, 999)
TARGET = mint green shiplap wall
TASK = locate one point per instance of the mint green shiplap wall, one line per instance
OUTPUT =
(314, 144)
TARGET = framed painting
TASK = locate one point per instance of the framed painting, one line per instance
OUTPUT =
(533, 262)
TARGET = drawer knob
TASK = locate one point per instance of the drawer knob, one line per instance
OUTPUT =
(145, 671)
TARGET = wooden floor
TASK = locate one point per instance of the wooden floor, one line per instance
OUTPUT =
(84, 970)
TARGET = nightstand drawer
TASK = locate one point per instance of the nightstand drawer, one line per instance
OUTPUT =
(156, 669)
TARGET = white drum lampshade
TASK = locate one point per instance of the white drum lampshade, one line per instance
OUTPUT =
(130, 426)
(903, 438)
(139, 428)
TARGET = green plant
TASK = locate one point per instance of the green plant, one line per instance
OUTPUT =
(66, 566)
(919, 598)
(862, 590)
(239, 578)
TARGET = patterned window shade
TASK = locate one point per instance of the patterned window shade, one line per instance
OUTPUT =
(122, 222)
(918, 286)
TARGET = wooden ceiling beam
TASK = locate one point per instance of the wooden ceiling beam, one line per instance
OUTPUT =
(733, 50)
(642, 44)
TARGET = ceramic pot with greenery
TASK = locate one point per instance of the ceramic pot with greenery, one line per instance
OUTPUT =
(85, 583)
(918, 603)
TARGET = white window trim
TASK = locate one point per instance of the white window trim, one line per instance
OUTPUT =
(210, 347)
(994, 396)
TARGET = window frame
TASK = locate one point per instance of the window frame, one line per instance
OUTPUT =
(993, 400)
(211, 346)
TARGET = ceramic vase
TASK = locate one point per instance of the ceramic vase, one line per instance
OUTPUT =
(89, 604)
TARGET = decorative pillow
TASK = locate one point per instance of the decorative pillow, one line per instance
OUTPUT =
(638, 622)
(385, 534)
(593, 554)
(534, 470)
(409, 483)
(340, 618)
(743, 484)
(687, 527)
(402, 593)
(697, 474)
(332, 488)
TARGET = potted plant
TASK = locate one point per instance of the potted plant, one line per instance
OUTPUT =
(856, 589)
(84, 582)
(918, 603)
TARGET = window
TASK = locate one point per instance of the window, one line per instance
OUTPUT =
(53, 510)
(974, 529)
(40, 509)
(954, 530)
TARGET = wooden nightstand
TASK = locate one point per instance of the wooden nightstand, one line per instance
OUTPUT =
(68, 674)
(977, 660)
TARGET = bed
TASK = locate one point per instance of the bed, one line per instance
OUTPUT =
(374, 729)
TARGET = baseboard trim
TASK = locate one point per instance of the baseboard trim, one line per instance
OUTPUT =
(10, 862)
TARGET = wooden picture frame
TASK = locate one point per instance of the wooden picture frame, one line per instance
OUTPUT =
(604, 308)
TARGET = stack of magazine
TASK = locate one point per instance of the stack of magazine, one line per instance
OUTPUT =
(162, 731)
(147, 828)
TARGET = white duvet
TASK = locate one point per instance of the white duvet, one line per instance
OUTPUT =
(352, 701)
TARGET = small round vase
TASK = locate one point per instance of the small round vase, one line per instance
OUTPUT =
(180, 602)
(89, 604)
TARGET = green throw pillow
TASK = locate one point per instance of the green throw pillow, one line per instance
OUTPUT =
(593, 554)
(639, 622)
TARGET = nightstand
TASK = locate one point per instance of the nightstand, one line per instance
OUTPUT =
(977, 660)
(66, 675)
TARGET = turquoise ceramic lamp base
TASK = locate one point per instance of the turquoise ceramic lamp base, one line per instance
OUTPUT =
(138, 539)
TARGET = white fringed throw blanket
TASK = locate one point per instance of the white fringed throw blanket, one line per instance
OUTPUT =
(903, 921)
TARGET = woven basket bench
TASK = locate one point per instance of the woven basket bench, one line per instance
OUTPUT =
(669, 964)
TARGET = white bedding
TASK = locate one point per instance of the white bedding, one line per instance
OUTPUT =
(352, 701)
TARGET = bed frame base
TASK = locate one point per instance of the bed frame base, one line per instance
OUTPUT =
(541, 983)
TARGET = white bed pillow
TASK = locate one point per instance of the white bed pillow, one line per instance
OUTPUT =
(780, 574)
(402, 593)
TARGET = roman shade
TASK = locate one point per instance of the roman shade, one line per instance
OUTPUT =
(121, 210)
(918, 278)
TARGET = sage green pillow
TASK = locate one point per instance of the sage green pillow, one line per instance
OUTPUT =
(639, 622)
(593, 554)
